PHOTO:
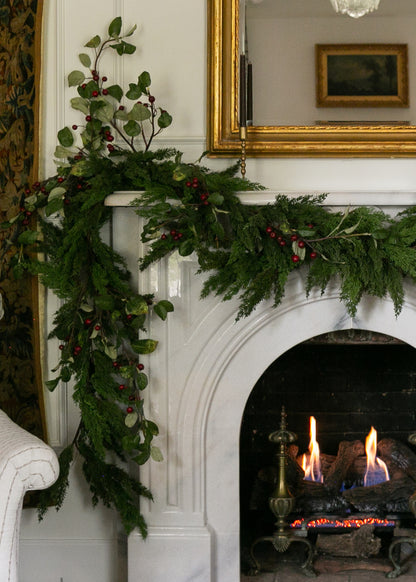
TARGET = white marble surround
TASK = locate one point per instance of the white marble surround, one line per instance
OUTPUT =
(200, 378)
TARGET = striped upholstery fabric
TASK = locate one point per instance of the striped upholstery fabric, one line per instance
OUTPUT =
(26, 463)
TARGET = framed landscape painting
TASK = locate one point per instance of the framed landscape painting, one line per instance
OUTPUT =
(362, 75)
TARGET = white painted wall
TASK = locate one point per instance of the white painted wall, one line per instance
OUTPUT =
(79, 544)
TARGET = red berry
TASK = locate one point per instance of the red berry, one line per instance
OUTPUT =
(109, 137)
(88, 118)
(116, 365)
(36, 185)
(313, 255)
(282, 243)
(203, 197)
(97, 327)
(294, 237)
(295, 259)
(132, 397)
(195, 185)
(75, 126)
(269, 229)
(272, 234)
(173, 232)
(151, 99)
(121, 387)
(163, 236)
(301, 244)
(121, 107)
(129, 409)
(129, 316)
(105, 91)
(110, 147)
(104, 79)
(188, 184)
(310, 225)
(60, 179)
(28, 213)
(61, 347)
(27, 191)
(83, 86)
(140, 366)
(96, 77)
(95, 93)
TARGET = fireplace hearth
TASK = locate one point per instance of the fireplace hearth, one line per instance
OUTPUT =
(202, 376)
(353, 502)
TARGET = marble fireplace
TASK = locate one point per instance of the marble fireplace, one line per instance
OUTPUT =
(201, 376)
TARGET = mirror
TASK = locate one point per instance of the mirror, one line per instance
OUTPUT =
(305, 130)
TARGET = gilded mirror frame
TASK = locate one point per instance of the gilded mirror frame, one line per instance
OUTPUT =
(280, 141)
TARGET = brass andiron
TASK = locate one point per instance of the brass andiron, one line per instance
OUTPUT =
(281, 504)
(394, 548)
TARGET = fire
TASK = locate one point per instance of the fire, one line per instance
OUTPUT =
(376, 471)
(311, 463)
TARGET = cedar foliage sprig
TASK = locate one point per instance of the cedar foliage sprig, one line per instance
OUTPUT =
(250, 251)
(101, 324)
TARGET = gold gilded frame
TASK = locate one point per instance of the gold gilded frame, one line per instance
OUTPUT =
(331, 140)
(399, 99)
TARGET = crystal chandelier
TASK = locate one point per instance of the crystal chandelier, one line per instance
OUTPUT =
(355, 8)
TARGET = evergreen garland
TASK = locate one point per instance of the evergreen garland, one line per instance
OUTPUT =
(246, 251)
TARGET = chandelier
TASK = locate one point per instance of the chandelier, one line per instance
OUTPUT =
(355, 8)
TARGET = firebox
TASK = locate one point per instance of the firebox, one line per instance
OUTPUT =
(350, 397)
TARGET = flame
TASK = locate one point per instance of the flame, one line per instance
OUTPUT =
(311, 464)
(376, 471)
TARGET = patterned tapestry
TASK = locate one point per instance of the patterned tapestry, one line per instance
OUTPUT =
(20, 55)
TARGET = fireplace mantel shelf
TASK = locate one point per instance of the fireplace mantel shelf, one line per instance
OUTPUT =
(391, 198)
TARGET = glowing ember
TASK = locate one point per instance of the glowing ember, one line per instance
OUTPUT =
(342, 523)
(376, 471)
(311, 463)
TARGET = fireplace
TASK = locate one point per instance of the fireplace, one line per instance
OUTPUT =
(201, 378)
(343, 382)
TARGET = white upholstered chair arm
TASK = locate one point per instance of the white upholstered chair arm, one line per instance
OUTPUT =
(26, 463)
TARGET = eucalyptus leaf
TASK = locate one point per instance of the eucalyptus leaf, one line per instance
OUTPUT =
(156, 454)
(58, 192)
(53, 206)
(94, 42)
(52, 384)
(28, 237)
(144, 81)
(131, 31)
(61, 152)
(146, 346)
(106, 112)
(131, 419)
(76, 78)
(85, 60)
(115, 91)
(142, 381)
(115, 27)
(80, 104)
(65, 137)
(134, 92)
(164, 119)
(139, 112)
(132, 128)
(137, 305)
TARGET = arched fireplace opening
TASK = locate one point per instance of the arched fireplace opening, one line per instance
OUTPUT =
(349, 381)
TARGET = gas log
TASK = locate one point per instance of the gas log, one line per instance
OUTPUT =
(348, 468)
